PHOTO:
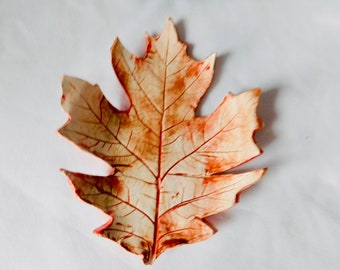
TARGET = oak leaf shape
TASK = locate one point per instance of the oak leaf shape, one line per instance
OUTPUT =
(169, 165)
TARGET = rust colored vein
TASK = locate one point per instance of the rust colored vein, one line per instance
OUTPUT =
(145, 124)
(90, 137)
(114, 135)
(154, 74)
(176, 55)
(140, 87)
(197, 148)
(177, 71)
(219, 191)
(135, 178)
(120, 199)
(128, 233)
(185, 90)
(158, 179)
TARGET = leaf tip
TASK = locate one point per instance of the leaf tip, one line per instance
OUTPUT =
(264, 171)
(116, 48)
(170, 22)
(68, 175)
(170, 29)
(115, 43)
(257, 176)
(100, 230)
(210, 61)
(61, 131)
(257, 91)
(65, 78)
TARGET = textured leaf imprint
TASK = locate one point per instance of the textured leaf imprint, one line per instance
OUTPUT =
(169, 166)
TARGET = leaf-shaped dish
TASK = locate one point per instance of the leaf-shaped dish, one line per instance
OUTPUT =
(169, 165)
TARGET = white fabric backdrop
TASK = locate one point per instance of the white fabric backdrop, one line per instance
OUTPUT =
(289, 48)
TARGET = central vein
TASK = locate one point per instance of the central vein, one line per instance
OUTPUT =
(160, 161)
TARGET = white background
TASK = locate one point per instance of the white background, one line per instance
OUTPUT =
(289, 48)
